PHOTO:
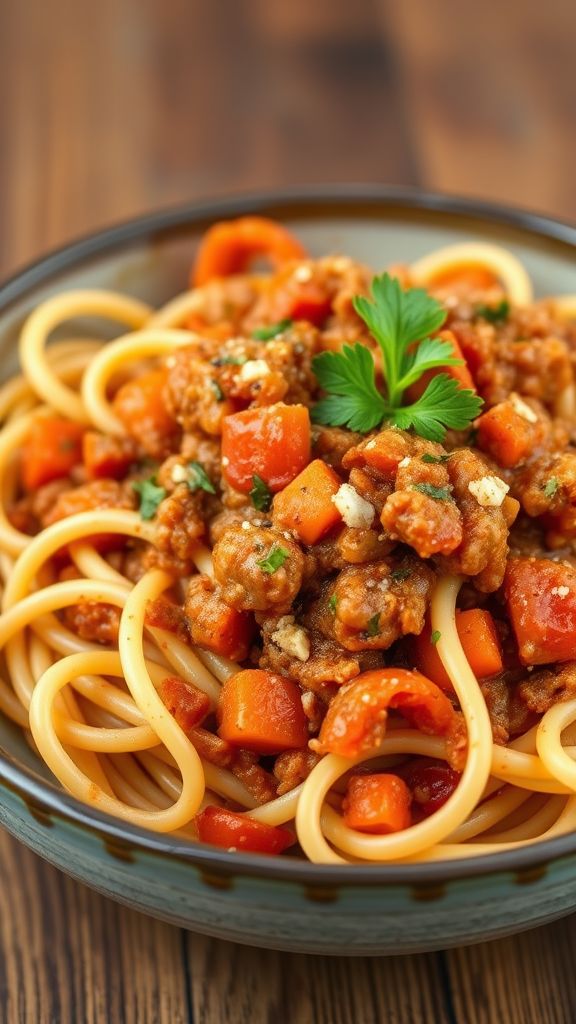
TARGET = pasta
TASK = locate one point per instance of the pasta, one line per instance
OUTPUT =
(366, 649)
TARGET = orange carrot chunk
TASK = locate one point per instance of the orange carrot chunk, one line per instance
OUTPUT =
(235, 831)
(356, 719)
(187, 703)
(506, 435)
(271, 442)
(377, 804)
(214, 625)
(105, 456)
(541, 600)
(461, 374)
(479, 639)
(232, 246)
(306, 505)
(53, 447)
(262, 712)
(140, 405)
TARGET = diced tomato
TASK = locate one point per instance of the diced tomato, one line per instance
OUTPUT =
(508, 436)
(235, 831)
(377, 804)
(306, 505)
(53, 447)
(232, 246)
(187, 703)
(541, 600)
(431, 783)
(383, 452)
(479, 640)
(310, 303)
(356, 718)
(461, 373)
(106, 456)
(263, 712)
(271, 442)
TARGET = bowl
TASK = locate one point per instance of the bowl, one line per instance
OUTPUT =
(284, 903)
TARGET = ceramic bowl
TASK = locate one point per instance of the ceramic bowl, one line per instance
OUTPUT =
(282, 903)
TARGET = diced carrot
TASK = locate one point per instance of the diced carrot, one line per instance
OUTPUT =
(356, 718)
(263, 712)
(461, 373)
(53, 447)
(187, 703)
(541, 599)
(471, 276)
(272, 442)
(479, 639)
(106, 456)
(231, 246)
(377, 804)
(506, 435)
(214, 625)
(235, 831)
(306, 505)
(140, 405)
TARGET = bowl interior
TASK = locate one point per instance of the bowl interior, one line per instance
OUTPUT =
(150, 259)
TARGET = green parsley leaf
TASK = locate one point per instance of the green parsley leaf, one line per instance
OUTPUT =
(150, 495)
(219, 394)
(435, 637)
(260, 494)
(274, 560)
(374, 625)
(229, 360)
(268, 333)
(438, 493)
(443, 404)
(401, 574)
(198, 479)
(494, 314)
(428, 457)
(333, 603)
(401, 322)
(551, 487)
(349, 378)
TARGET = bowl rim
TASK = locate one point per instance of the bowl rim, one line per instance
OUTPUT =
(44, 800)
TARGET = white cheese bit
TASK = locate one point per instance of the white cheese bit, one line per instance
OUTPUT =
(246, 525)
(179, 474)
(225, 460)
(254, 369)
(371, 444)
(292, 639)
(354, 509)
(523, 410)
(560, 591)
(303, 273)
(405, 462)
(171, 362)
(489, 491)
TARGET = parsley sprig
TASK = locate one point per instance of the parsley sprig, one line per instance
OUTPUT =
(150, 495)
(401, 322)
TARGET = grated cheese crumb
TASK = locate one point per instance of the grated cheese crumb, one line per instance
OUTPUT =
(303, 273)
(405, 462)
(560, 591)
(254, 369)
(371, 444)
(354, 509)
(246, 525)
(489, 491)
(291, 638)
(171, 362)
(179, 474)
(523, 409)
(225, 460)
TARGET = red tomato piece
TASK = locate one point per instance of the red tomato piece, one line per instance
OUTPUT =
(541, 599)
(235, 831)
(271, 442)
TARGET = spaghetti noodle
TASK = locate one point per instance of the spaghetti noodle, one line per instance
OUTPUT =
(364, 648)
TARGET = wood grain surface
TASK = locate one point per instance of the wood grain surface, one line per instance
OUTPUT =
(110, 109)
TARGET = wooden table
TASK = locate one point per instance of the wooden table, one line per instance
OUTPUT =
(108, 109)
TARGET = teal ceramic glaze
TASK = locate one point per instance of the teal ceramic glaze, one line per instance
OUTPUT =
(284, 903)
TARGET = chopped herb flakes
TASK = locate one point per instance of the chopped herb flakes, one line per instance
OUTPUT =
(218, 393)
(435, 637)
(274, 560)
(150, 495)
(260, 494)
(333, 604)
(494, 314)
(229, 361)
(374, 625)
(438, 493)
(551, 487)
(198, 480)
(399, 575)
(268, 333)
(427, 457)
